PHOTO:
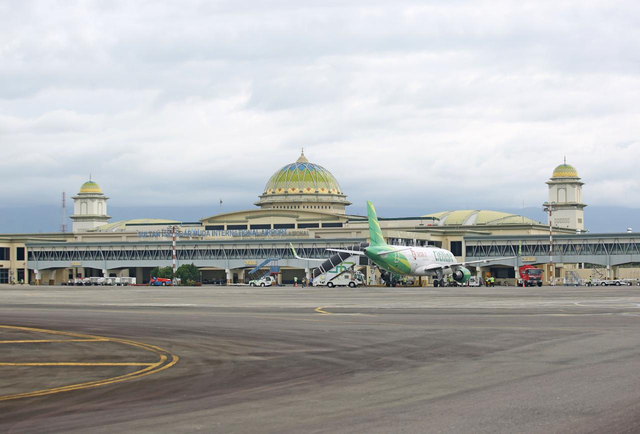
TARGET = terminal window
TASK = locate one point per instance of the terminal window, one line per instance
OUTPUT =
(236, 227)
(4, 275)
(308, 225)
(5, 254)
(331, 225)
(267, 226)
(20, 254)
(284, 226)
(456, 248)
(214, 228)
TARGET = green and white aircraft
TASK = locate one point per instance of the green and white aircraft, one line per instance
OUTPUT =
(410, 261)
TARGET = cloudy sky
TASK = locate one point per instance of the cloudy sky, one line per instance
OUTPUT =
(456, 104)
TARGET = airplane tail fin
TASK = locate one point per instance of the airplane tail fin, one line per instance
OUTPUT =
(375, 233)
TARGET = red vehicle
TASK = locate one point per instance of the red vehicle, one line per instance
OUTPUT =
(530, 276)
(159, 281)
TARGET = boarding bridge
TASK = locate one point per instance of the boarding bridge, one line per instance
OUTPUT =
(605, 250)
(203, 254)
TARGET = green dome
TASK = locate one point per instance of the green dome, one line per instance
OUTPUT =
(479, 217)
(90, 187)
(302, 177)
(565, 171)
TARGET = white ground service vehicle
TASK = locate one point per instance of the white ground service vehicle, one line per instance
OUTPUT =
(264, 281)
(125, 281)
(608, 282)
(474, 281)
(348, 278)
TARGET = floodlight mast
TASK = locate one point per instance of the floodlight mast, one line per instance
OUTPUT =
(550, 208)
(173, 252)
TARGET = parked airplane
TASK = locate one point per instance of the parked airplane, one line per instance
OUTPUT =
(410, 261)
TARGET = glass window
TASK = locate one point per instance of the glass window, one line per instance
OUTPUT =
(4, 275)
(456, 248)
(284, 226)
(214, 228)
(236, 227)
(4, 254)
(20, 254)
(266, 226)
(331, 225)
(308, 225)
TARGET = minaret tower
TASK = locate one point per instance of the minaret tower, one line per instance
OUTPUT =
(565, 197)
(89, 208)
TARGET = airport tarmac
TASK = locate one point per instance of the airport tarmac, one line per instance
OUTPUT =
(319, 360)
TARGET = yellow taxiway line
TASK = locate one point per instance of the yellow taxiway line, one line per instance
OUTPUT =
(43, 341)
(323, 312)
(74, 364)
(165, 360)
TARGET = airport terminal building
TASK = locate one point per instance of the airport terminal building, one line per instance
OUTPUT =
(303, 204)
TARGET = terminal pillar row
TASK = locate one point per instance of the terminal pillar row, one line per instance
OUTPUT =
(229, 276)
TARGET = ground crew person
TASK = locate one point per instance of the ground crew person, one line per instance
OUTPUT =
(492, 280)
(304, 282)
(295, 281)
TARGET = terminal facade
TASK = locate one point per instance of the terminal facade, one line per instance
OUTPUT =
(303, 204)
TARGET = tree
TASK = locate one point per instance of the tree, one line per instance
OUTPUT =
(163, 273)
(188, 274)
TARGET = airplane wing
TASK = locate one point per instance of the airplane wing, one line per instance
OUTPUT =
(295, 254)
(462, 264)
(353, 252)
(484, 261)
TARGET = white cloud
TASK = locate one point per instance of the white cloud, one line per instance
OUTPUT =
(444, 104)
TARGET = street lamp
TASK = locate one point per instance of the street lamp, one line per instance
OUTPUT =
(550, 208)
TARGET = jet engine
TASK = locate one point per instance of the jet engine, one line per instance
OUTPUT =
(461, 275)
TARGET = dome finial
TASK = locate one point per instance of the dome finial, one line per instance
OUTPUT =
(302, 158)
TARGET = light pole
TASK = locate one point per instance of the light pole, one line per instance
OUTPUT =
(550, 208)
(173, 253)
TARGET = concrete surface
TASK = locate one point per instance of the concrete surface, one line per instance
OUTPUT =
(291, 360)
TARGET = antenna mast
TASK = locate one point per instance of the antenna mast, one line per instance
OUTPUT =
(63, 225)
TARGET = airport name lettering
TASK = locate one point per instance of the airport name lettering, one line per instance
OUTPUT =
(442, 257)
(166, 233)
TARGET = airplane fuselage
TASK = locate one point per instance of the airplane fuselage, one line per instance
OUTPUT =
(415, 261)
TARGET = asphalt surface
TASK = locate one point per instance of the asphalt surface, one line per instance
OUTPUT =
(291, 360)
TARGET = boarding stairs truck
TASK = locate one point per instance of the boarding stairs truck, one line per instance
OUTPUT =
(264, 277)
(571, 278)
(343, 274)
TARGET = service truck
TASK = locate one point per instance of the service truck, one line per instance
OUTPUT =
(350, 278)
(264, 281)
(529, 276)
